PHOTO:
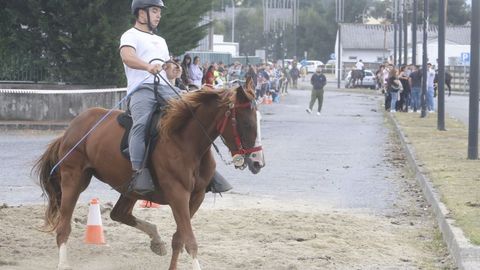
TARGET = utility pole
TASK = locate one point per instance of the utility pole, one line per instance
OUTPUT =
(339, 19)
(395, 32)
(405, 30)
(233, 21)
(474, 82)
(442, 10)
(414, 32)
(424, 60)
(400, 30)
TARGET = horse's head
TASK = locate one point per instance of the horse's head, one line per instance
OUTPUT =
(240, 128)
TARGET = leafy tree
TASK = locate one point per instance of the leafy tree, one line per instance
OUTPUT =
(182, 24)
(77, 40)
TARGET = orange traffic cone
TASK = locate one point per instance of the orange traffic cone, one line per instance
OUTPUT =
(265, 99)
(149, 204)
(94, 233)
(269, 99)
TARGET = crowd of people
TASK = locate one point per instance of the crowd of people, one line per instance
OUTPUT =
(270, 80)
(402, 87)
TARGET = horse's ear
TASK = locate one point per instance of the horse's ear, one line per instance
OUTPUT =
(247, 91)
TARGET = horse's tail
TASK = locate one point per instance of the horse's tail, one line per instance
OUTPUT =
(50, 183)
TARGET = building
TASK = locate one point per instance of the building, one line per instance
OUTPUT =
(373, 43)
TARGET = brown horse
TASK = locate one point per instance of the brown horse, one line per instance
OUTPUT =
(182, 163)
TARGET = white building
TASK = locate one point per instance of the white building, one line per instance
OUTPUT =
(221, 46)
(373, 43)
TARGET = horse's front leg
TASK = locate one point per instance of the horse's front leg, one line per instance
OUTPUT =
(122, 212)
(184, 235)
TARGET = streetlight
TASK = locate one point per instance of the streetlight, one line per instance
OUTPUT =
(233, 20)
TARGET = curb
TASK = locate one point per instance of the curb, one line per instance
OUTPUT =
(465, 254)
(31, 125)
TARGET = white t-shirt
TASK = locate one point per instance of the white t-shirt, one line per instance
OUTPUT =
(430, 78)
(359, 65)
(148, 47)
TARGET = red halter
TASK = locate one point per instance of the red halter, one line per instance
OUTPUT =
(232, 113)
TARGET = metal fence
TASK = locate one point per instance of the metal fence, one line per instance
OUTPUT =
(23, 69)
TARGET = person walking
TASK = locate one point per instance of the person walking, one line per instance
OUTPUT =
(318, 81)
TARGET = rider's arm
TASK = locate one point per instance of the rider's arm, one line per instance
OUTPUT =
(130, 58)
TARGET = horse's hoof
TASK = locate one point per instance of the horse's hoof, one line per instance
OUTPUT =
(158, 247)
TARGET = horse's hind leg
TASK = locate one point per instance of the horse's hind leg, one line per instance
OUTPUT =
(73, 182)
(122, 212)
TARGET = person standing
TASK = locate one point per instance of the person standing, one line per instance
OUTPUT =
(430, 88)
(394, 87)
(187, 60)
(196, 73)
(415, 81)
(405, 94)
(294, 74)
(209, 78)
(318, 82)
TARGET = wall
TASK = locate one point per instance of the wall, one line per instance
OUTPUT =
(52, 105)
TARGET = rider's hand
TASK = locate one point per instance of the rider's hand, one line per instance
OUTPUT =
(154, 68)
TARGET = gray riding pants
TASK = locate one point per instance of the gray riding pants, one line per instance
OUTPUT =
(142, 102)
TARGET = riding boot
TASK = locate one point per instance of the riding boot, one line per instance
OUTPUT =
(141, 183)
(218, 184)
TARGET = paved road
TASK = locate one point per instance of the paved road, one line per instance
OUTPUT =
(458, 106)
(335, 160)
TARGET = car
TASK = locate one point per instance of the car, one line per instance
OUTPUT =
(368, 81)
(312, 65)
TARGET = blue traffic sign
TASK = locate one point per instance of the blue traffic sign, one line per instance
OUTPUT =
(465, 58)
(332, 56)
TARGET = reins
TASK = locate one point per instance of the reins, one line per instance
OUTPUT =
(156, 82)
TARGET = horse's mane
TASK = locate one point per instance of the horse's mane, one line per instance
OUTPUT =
(178, 112)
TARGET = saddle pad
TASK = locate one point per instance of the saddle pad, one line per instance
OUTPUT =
(125, 120)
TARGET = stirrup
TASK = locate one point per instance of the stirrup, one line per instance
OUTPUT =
(141, 183)
(218, 184)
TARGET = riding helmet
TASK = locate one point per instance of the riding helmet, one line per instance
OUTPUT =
(139, 4)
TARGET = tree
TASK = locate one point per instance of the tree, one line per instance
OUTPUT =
(184, 24)
(77, 40)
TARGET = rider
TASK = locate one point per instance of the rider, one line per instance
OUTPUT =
(360, 66)
(143, 53)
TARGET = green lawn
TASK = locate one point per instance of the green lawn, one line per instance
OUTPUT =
(444, 155)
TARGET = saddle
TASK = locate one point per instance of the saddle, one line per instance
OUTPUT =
(151, 135)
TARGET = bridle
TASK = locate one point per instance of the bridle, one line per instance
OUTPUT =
(232, 114)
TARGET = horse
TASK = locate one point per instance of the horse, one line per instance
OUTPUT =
(356, 78)
(448, 82)
(182, 163)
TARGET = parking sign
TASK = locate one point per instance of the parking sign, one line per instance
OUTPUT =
(465, 58)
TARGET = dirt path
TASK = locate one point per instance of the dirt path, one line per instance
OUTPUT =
(244, 232)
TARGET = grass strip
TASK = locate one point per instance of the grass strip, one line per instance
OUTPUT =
(443, 156)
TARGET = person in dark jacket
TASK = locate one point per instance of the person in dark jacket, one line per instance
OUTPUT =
(318, 81)
(294, 74)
